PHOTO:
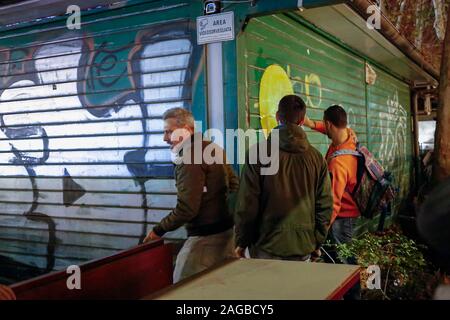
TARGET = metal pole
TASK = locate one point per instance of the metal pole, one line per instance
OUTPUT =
(214, 78)
(216, 118)
(416, 140)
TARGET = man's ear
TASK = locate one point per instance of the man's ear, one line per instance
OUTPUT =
(277, 117)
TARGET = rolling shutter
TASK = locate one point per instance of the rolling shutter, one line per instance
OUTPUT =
(84, 170)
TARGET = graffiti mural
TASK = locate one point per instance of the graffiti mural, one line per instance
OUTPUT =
(351, 117)
(393, 148)
(390, 125)
(323, 73)
(83, 109)
(276, 83)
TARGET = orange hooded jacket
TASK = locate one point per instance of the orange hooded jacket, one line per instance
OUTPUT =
(343, 170)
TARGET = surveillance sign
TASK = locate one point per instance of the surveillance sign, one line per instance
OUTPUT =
(215, 28)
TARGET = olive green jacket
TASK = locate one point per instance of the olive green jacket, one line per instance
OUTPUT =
(203, 192)
(285, 214)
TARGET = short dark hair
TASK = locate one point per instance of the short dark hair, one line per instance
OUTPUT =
(291, 109)
(336, 115)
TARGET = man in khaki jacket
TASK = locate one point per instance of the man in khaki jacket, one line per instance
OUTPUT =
(285, 215)
(202, 196)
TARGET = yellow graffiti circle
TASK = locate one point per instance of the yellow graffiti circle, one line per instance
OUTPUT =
(275, 84)
(313, 79)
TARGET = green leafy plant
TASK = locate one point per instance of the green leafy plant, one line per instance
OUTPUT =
(403, 267)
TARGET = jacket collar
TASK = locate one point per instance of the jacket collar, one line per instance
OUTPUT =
(292, 138)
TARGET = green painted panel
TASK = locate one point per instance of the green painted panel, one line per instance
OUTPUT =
(324, 73)
(389, 125)
(320, 71)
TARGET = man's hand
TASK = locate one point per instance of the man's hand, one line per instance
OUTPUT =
(315, 255)
(309, 123)
(151, 236)
(239, 252)
(333, 218)
(6, 293)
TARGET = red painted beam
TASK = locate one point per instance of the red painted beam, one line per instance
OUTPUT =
(130, 274)
(339, 293)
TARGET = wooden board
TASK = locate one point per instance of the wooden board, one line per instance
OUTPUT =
(129, 274)
(258, 279)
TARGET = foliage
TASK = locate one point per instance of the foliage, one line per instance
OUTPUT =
(406, 18)
(404, 272)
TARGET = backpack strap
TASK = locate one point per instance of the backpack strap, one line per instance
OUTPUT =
(344, 152)
(350, 152)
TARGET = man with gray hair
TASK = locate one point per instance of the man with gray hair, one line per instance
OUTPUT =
(202, 195)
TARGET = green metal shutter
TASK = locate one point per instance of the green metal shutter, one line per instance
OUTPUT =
(84, 171)
(323, 73)
(389, 125)
(330, 74)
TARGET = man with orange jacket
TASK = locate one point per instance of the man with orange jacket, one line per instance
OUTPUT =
(343, 171)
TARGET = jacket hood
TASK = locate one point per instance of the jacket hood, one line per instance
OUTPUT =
(350, 143)
(292, 138)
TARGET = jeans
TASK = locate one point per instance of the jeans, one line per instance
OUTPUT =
(341, 232)
(202, 252)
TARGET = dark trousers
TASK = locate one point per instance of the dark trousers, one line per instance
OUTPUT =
(341, 232)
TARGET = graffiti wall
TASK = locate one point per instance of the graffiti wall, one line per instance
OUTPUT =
(84, 170)
(389, 125)
(281, 56)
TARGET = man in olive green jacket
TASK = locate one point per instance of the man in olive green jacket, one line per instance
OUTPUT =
(285, 215)
(203, 186)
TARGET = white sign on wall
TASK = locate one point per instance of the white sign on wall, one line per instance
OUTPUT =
(215, 28)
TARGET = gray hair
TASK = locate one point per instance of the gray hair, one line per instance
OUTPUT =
(183, 117)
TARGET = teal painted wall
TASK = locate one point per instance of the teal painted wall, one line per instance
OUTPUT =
(84, 171)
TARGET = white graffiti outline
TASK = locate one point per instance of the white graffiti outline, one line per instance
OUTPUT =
(393, 146)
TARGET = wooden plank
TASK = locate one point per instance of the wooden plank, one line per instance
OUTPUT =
(259, 279)
(107, 278)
